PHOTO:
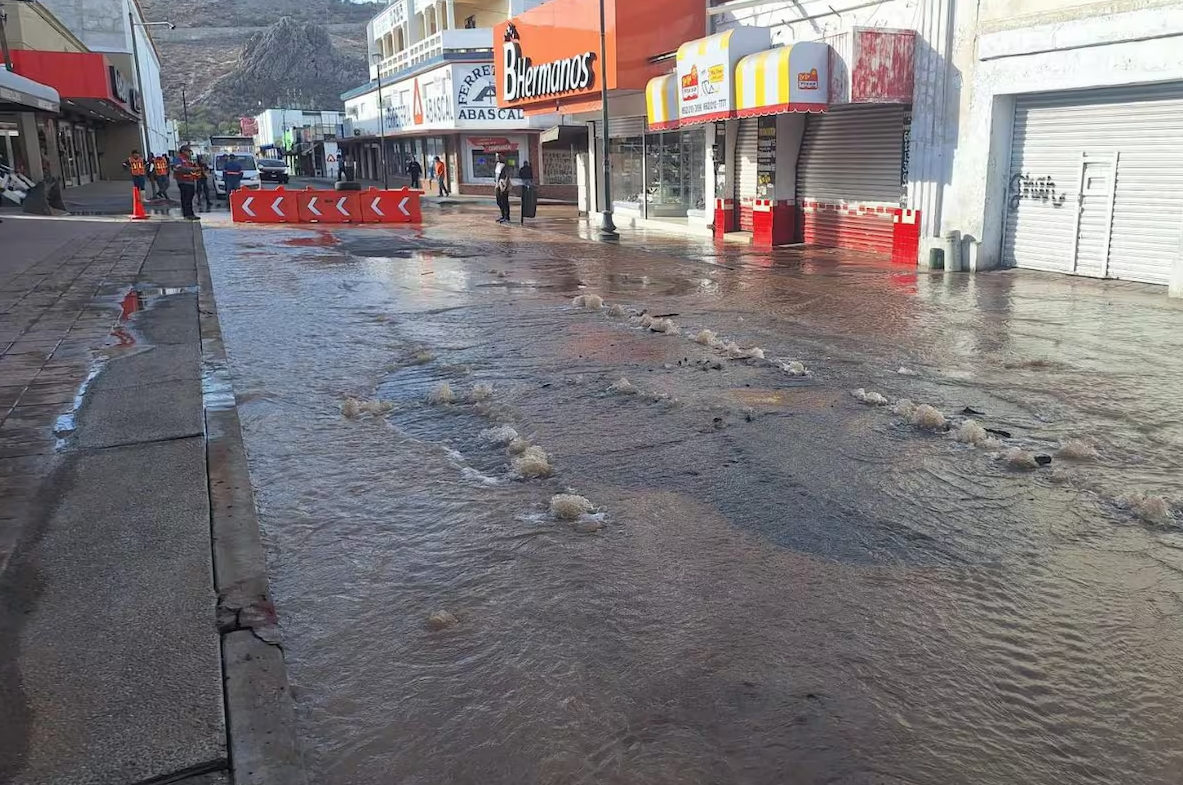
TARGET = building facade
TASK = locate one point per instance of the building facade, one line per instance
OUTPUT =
(1069, 157)
(96, 126)
(307, 140)
(439, 99)
(107, 27)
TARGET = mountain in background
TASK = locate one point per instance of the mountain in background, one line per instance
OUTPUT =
(234, 58)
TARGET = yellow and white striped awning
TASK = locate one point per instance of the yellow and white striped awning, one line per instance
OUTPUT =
(705, 67)
(661, 102)
(793, 78)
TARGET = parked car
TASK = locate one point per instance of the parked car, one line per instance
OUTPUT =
(273, 170)
(250, 172)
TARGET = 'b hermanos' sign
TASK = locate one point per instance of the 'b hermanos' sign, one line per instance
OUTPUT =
(524, 80)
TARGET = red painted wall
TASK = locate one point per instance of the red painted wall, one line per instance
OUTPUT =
(883, 69)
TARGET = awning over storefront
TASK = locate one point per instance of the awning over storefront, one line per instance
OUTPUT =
(706, 69)
(21, 94)
(661, 102)
(88, 82)
(794, 78)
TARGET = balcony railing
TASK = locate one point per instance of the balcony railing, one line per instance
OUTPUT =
(470, 40)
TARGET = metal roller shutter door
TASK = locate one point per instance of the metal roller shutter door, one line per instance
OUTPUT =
(848, 176)
(621, 127)
(747, 144)
(1096, 183)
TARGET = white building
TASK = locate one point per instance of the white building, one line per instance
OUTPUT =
(107, 26)
(438, 97)
(1070, 151)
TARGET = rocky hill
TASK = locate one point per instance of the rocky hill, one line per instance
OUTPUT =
(236, 57)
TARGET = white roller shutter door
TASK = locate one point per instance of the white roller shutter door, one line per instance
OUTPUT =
(1096, 183)
(746, 149)
(849, 168)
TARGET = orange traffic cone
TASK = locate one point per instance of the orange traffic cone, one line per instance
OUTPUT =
(137, 206)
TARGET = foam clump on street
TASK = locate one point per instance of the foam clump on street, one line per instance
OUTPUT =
(518, 446)
(533, 463)
(616, 311)
(928, 418)
(502, 434)
(705, 337)
(1077, 450)
(441, 394)
(579, 301)
(1148, 507)
(594, 302)
(971, 432)
(441, 620)
(569, 506)
(904, 407)
(869, 398)
(624, 387)
(482, 392)
(351, 408)
(794, 368)
(1018, 458)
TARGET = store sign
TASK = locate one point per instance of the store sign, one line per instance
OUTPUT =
(120, 88)
(523, 80)
(476, 99)
(493, 144)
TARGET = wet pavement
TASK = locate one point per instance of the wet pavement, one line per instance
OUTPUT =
(788, 585)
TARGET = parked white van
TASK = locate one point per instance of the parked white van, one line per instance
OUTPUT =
(250, 172)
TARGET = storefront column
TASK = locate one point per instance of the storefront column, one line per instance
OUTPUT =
(27, 126)
(725, 216)
(52, 151)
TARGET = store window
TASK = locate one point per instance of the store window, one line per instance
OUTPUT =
(675, 172)
(625, 157)
(484, 161)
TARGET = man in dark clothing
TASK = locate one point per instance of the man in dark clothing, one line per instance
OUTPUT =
(501, 186)
(416, 172)
(186, 171)
(203, 174)
(529, 197)
(231, 175)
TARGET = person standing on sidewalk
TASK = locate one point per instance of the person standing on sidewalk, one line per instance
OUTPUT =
(203, 174)
(529, 203)
(441, 177)
(501, 187)
(138, 169)
(186, 170)
(160, 169)
(416, 172)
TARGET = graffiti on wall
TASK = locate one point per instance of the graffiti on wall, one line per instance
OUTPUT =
(1037, 189)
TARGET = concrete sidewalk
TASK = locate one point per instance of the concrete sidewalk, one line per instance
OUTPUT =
(113, 624)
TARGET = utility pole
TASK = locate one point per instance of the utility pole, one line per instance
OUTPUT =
(607, 225)
(185, 116)
(377, 58)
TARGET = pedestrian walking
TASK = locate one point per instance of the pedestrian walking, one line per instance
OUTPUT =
(231, 175)
(138, 169)
(529, 192)
(186, 170)
(416, 173)
(203, 174)
(501, 187)
(160, 169)
(441, 177)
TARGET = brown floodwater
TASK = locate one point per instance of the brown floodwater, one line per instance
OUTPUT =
(791, 587)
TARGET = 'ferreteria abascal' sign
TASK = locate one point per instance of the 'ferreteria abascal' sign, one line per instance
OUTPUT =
(523, 80)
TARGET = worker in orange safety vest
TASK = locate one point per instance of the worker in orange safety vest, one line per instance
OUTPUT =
(160, 170)
(138, 168)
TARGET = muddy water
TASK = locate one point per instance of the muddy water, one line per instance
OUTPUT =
(791, 587)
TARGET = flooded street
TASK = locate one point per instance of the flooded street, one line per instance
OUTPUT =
(789, 586)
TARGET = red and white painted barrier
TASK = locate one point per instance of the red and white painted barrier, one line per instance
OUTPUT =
(335, 207)
(857, 227)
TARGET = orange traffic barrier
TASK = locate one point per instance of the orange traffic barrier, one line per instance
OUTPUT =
(394, 206)
(335, 207)
(137, 205)
(258, 206)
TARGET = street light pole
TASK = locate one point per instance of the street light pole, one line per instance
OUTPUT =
(135, 62)
(185, 108)
(607, 225)
(377, 58)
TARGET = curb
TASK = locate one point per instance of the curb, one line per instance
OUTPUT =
(260, 715)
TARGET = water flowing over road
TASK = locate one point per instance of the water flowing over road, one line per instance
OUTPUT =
(789, 585)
